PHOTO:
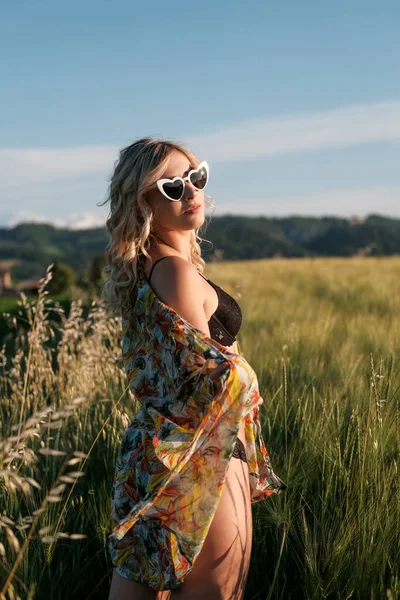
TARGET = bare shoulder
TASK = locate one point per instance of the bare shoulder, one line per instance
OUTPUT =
(178, 284)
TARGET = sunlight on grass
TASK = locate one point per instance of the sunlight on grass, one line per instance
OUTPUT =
(323, 337)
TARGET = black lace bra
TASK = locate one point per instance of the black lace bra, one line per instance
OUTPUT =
(225, 322)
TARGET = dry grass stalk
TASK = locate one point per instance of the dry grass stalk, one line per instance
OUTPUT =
(85, 364)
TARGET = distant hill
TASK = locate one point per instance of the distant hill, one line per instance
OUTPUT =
(233, 238)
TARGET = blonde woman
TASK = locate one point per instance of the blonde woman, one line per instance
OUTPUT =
(193, 460)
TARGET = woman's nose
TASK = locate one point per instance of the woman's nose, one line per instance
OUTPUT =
(190, 190)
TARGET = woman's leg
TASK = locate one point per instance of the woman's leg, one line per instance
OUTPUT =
(125, 589)
(220, 571)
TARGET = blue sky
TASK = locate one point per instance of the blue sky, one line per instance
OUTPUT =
(296, 107)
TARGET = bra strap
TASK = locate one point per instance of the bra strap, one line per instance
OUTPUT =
(154, 264)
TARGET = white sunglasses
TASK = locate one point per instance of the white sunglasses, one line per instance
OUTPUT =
(174, 189)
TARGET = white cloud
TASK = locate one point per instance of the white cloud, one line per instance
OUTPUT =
(346, 126)
(85, 220)
(20, 166)
(346, 203)
(249, 139)
(67, 183)
(384, 200)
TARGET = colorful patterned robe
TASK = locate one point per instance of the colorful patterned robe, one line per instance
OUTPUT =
(174, 456)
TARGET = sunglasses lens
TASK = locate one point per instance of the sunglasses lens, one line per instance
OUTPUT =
(174, 189)
(199, 178)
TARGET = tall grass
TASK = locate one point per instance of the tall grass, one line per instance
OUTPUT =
(323, 336)
(60, 428)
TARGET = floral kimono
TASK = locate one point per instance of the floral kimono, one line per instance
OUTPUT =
(173, 460)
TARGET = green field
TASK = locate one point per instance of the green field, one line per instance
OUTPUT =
(323, 336)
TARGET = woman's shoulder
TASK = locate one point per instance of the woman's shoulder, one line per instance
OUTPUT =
(177, 283)
(172, 269)
(174, 261)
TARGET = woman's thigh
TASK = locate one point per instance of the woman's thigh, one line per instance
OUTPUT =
(220, 570)
(125, 589)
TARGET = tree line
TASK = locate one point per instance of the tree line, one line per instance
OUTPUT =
(79, 255)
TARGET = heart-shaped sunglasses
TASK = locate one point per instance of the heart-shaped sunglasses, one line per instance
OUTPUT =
(174, 189)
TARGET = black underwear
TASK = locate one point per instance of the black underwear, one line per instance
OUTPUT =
(239, 451)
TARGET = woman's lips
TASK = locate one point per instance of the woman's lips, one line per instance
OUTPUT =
(193, 210)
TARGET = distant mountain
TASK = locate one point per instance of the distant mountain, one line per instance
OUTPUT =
(233, 238)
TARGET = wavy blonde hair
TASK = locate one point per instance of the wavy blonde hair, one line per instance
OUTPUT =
(130, 219)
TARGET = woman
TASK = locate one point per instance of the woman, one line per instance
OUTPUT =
(157, 207)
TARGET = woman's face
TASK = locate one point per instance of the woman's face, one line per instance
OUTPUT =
(170, 215)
